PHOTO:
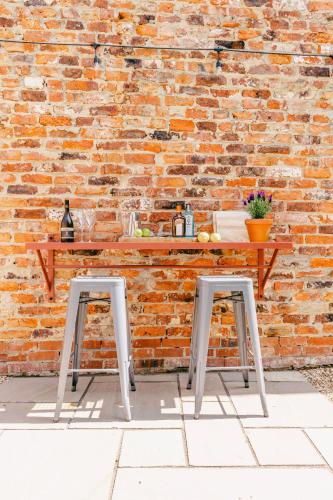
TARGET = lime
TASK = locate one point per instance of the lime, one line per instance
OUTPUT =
(138, 233)
(145, 232)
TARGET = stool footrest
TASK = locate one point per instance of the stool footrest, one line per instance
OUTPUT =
(93, 370)
(227, 368)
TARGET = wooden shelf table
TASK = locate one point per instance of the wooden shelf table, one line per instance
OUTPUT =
(49, 265)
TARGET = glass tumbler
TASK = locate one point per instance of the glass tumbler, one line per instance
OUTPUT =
(126, 223)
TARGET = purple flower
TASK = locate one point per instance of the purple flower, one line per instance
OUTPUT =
(245, 203)
(270, 199)
(251, 197)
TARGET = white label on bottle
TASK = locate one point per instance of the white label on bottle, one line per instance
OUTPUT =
(179, 228)
(67, 233)
(189, 225)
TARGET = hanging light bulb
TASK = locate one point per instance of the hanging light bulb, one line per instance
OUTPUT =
(219, 65)
(97, 60)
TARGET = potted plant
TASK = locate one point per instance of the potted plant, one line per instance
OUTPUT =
(258, 206)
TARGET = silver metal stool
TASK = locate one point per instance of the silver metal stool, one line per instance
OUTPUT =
(243, 302)
(74, 328)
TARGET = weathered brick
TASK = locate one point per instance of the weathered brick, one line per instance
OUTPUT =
(316, 71)
(165, 126)
(182, 125)
(21, 189)
(33, 95)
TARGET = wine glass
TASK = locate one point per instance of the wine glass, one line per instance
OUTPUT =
(89, 221)
(79, 223)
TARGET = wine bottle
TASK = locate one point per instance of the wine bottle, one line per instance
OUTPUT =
(67, 226)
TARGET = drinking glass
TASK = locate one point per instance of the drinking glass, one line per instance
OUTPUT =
(79, 224)
(89, 222)
(126, 223)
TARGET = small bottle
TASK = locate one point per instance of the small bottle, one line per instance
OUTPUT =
(178, 223)
(189, 221)
(67, 226)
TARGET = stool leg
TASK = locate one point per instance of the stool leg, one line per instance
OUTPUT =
(193, 355)
(254, 334)
(79, 330)
(239, 311)
(205, 305)
(72, 310)
(130, 355)
(118, 305)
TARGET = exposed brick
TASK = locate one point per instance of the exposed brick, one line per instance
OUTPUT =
(69, 60)
(74, 25)
(164, 125)
(102, 181)
(6, 22)
(33, 95)
(22, 189)
(195, 20)
(182, 125)
(104, 111)
(315, 71)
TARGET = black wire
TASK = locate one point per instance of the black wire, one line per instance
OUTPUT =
(184, 49)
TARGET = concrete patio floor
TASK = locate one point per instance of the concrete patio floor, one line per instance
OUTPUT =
(231, 453)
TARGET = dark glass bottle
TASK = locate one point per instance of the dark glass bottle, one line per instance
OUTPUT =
(178, 223)
(67, 226)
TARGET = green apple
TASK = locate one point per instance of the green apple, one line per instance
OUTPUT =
(203, 237)
(215, 237)
(138, 233)
(146, 232)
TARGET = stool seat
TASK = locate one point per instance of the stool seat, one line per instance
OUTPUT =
(79, 296)
(242, 296)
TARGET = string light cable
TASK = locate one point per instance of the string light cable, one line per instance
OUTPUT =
(217, 49)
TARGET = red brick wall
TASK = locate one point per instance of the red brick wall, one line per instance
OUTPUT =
(164, 125)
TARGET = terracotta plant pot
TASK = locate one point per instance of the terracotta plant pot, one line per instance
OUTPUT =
(258, 229)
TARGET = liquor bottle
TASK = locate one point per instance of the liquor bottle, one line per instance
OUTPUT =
(67, 226)
(178, 222)
(189, 221)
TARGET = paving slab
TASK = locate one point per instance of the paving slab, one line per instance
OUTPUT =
(323, 440)
(152, 448)
(285, 376)
(34, 415)
(39, 389)
(217, 440)
(53, 465)
(155, 377)
(153, 405)
(214, 389)
(283, 447)
(290, 404)
(236, 376)
(223, 484)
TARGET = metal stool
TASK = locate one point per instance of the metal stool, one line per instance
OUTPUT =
(74, 328)
(243, 301)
